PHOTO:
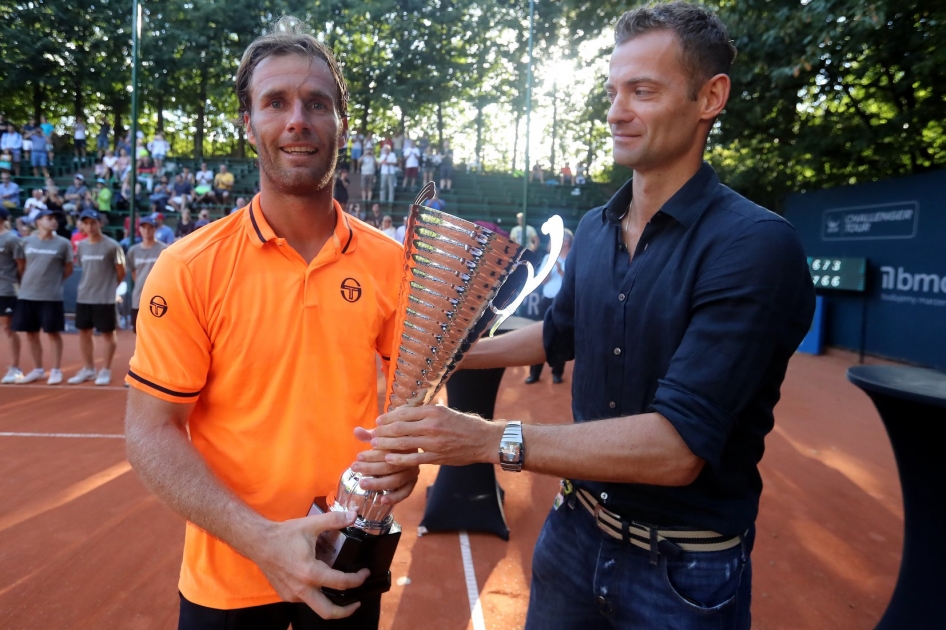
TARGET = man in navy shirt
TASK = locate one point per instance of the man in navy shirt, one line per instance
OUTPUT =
(681, 305)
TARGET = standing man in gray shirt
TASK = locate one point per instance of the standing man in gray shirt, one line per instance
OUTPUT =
(103, 267)
(44, 261)
(9, 276)
(141, 259)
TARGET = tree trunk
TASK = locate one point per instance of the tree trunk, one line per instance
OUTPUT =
(554, 126)
(201, 112)
(365, 106)
(160, 107)
(117, 108)
(515, 143)
(590, 156)
(440, 124)
(78, 103)
(38, 98)
(479, 134)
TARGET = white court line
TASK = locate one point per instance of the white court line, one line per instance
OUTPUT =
(116, 436)
(472, 592)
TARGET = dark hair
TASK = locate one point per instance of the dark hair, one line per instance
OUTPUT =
(288, 36)
(707, 49)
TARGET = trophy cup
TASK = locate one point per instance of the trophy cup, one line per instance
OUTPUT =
(453, 270)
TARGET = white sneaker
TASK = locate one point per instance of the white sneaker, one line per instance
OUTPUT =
(14, 375)
(35, 375)
(104, 377)
(83, 375)
(55, 377)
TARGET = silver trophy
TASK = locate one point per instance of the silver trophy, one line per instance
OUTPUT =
(452, 271)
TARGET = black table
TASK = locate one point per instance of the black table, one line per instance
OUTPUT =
(912, 404)
(469, 497)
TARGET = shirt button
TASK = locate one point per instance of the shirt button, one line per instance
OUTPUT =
(617, 351)
(612, 404)
(602, 600)
(621, 297)
(604, 496)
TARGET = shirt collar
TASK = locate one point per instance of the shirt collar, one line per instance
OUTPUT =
(258, 230)
(686, 205)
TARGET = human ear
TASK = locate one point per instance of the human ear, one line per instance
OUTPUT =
(713, 96)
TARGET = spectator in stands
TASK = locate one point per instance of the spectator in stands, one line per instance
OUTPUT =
(109, 165)
(162, 232)
(9, 192)
(75, 194)
(6, 159)
(146, 171)
(223, 184)
(12, 142)
(388, 164)
(141, 259)
(124, 161)
(181, 193)
(411, 164)
(184, 224)
(204, 188)
(436, 202)
(27, 133)
(356, 152)
(204, 215)
(188, 176)
(341, 188)
(354, 209)
(103, 196)
(368, 165)
(101, 140)
(79, 138)
(160, 195)
(48, 129)
(159, 148)
(401, 231)
(44, 261)
(446, 168)
(580, 175)
(387, 226)
(39, 159)
(565, 177)
(53, 198)
(239, 204)
(532, 237)
(427, 164)
(550, 288)
(369, 143)
(34, 205)
(537, 175)
(397, 145)
(103, 268)
(374, 217)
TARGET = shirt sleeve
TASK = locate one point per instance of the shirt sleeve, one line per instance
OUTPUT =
(172, 351)
(751, 304)
(119, 255)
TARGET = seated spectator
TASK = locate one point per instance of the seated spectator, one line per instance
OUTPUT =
(75, 194)
(341, 188)
(39, 159)
(204, 215)
(122, 162)
(53, 198)
(160, 195)
(238, 205)
(34, 205)
(146, 171)
(184, 224)
(110, 163)
(387, 226)
(6, 160)
(537, 175)
(9, 192)
(223, 184)
(188, 176)
(103, 196)
(203, 190)
(162, 232)
(12, 142)
(181, 193)
(23, 227)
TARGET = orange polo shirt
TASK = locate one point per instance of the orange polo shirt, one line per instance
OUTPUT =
(280, 359)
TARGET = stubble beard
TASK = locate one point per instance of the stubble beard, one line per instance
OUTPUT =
(294, 181)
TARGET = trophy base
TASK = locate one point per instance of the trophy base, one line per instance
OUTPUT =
(351, 550)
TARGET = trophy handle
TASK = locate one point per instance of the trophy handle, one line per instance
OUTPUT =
(555, 228)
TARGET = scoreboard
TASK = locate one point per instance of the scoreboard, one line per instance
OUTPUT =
(838, 274)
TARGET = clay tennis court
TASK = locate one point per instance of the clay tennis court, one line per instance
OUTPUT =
(83, 544)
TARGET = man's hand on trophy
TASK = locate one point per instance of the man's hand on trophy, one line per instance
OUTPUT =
(443, 435)
(286, 555)
(398, 480)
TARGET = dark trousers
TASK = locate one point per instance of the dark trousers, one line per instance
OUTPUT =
(557, 368)
(275, 617)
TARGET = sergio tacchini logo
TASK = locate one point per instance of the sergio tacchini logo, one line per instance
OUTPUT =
(351, 290)
(158, 306)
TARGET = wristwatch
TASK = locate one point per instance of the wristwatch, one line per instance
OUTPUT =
(512, 451)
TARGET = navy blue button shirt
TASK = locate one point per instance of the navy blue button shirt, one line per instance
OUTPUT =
(698, 327)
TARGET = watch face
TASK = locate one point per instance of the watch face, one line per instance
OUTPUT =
(509, 452)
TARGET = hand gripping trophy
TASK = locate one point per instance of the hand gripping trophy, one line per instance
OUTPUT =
(452, 271)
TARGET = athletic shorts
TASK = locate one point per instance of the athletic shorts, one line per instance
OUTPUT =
(101, 317)
(27, 145)
(7, 305)
(221, 192)
(410, 172)
(39, 159)
(276, 616)
(367, 181)
(16, 156)
(80, 143)
(32, 315)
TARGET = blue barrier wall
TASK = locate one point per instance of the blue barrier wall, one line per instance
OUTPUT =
(900, 227)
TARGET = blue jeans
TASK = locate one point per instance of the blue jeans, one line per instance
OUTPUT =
(582, 578)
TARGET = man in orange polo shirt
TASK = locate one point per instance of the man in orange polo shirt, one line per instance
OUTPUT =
(258, 338)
